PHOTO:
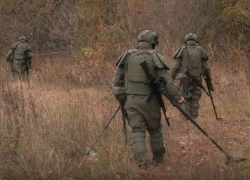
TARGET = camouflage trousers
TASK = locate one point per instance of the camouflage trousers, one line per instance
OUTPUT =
(145, 116)
(20, 69)
(192, 94)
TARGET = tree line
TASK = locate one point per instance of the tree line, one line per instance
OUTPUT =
(76, 26)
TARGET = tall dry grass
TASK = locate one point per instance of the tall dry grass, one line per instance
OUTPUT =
(49, 123)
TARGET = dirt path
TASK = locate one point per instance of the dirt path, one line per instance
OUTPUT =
(191, 155)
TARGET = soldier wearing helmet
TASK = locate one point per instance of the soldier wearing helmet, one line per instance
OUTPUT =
(129, 88)
(193, 58)
(20, 57)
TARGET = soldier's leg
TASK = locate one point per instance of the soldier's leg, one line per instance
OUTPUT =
(15, 75)
(152, 115)
(139, 147)
(23, 67)
(194, 103)
(184, 89)
(17, 69)
(186, 106)
(157, 148)
(15, 72)
(137, 123)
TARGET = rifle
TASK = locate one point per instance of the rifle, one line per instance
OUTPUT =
(154, 91)
(105, 127)
(198, 82)
(160, 85)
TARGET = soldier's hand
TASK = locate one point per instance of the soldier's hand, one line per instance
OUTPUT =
(121, 98)
(181, 101)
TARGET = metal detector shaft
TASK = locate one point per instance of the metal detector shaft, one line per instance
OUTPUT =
(211, 97)
(174, 103)
(105, 127)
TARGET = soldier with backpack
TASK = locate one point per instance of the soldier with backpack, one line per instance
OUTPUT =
(20, 57)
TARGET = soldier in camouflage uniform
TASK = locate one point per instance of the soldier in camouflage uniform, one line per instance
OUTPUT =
(129, 87)
(20, 57)
(194, 58)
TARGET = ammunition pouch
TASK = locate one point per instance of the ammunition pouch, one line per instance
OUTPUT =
(117, 90)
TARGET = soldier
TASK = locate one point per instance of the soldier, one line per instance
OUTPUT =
(129, 87)
(194, 58)
(20, 57)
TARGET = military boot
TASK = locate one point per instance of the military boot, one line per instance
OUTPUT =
(158, 156)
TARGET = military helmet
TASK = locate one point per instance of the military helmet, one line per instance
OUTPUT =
(191, 36)
(23, 38)
(148, 36)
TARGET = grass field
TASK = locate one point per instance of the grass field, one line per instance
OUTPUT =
(48, 124)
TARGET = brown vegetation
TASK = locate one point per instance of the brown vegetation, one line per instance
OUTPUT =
(48, 124)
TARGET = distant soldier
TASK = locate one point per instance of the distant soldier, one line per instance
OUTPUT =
(130, 88)
(20, 57)
(193, 58)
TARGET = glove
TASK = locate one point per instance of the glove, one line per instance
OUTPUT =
(209, 84)
(121, 98)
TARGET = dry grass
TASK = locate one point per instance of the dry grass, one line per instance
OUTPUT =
(48, 124)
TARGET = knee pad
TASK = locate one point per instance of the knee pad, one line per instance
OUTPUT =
(156, 137)
(194, 105)
(194, 109)
(138, 137)
(196, 96)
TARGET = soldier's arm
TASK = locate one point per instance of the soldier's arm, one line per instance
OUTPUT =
(177, 63)
(10, 53)
(119, 77)
(29, 54)
(175, 68)
(119, 81)
(172, 89)
(205, 66)
(118, 85)
(206, 70)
